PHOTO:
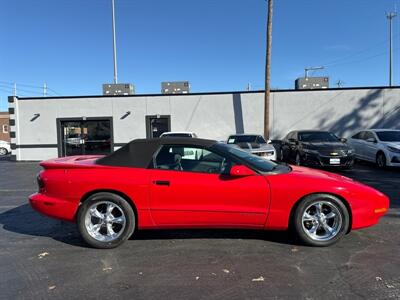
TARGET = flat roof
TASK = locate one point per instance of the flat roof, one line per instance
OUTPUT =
(212, 93)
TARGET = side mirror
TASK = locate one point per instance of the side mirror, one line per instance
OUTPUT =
(293, 141)
(343, 140)
(371, 140)
(240, 171)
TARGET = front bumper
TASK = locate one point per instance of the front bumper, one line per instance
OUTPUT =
(317, 160)
(54, 207)
(393, 159)
(270, 155)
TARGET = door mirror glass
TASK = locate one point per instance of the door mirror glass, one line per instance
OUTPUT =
(240, 170)
(343, 140)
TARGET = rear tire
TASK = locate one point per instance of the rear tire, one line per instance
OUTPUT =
(320, 220)
(3, 151)
(106, 220)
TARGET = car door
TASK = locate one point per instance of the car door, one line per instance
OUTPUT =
(188, 190)
(357, 142)
(370, 146)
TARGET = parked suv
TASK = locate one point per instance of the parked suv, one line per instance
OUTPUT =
(381, 146)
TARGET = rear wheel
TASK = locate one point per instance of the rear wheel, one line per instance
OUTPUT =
(320, 220)
(381, 160)
(3, 151)
(106, 220)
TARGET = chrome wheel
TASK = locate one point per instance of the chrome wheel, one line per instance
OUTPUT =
(105, 221)
(322, 221)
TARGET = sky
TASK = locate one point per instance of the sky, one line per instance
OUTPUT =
(217, 45)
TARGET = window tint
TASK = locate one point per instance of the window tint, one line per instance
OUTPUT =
(261, 164)
(389, 136)
(317, 136)
(290, 135)
(358, 136)
(190, 159)
(368, 135)
(261, 140)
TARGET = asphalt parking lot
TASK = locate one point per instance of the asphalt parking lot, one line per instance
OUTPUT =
(44, 258)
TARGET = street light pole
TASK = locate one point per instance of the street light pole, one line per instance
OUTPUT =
(114, 43)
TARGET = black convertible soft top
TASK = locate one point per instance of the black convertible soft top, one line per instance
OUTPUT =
(139, 153)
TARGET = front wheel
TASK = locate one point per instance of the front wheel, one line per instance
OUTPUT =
(381, 160)
(298, 159)
(320, 220)
(106, 220)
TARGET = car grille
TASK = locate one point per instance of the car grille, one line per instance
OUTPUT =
(266, 153)
(334, 153)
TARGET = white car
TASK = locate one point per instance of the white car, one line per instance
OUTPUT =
(381, 146)
(178, 134)
(253, 143)
(4, 148)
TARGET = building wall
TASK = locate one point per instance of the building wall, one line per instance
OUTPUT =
(4, 126)
(213, 116)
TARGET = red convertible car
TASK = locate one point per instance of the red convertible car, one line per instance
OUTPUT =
(196, 183)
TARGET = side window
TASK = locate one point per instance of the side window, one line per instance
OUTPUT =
(288, 136)
(358, 136)
(190, 159)
(368, 135)
(260, 140)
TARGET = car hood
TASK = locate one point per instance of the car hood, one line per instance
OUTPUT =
(318, 174)
(325, 146)
(255, 147)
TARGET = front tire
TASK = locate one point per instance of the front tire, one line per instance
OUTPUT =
(106, 220)
(381, 160)
(320, 220)
(298, 159)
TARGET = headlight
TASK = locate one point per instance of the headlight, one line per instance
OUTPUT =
(308, 151)
(393, 149)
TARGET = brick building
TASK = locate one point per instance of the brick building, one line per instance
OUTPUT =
(4, 126)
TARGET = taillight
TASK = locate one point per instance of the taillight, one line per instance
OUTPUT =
(40, 183)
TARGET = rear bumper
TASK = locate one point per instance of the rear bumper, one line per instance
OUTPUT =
(54, 207)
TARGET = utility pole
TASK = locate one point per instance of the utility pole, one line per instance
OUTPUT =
(114, 43)
(268, 69)
(249, 86)
(45, 89)
(390, 16)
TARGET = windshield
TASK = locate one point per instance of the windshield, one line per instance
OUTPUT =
(389, 136)
(255, 161)
(237, 139)
(167, 135)
(317, 136)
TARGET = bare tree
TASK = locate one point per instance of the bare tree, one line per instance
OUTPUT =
(268, 69)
